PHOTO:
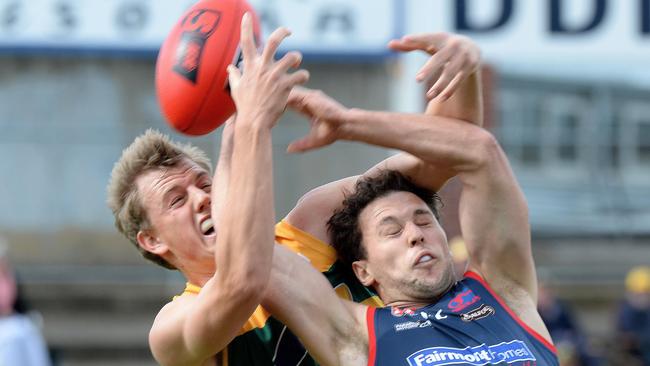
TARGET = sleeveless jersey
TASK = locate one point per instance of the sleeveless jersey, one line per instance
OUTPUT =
(265, 341)
(469, 325)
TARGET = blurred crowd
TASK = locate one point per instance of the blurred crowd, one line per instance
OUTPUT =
(629, 344)
(633, 321)
(21, 341)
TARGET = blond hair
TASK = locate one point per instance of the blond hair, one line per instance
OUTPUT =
(151, 150)
(638, 280)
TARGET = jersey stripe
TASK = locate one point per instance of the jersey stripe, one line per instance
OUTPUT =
(372, 343)
(514, 316)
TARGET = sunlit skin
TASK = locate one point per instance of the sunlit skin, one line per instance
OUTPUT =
(177, 201)
(399, 232)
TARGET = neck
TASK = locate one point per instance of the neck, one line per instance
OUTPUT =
(197, 280)
(405, 300)
(407, 304)
(200, 277)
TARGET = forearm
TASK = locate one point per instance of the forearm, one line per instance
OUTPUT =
(303, 299)
(244, 248)
(222, 172)
(465, 104)
(443, 142)
(245, 233)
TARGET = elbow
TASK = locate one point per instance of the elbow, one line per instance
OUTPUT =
(486, 150)
(247, 285)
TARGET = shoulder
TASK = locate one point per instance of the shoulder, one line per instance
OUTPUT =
(167, 328)
(315, 207)
(353, 340)
(516, 300)
(180, 303)
(358, 329)
(511, 293)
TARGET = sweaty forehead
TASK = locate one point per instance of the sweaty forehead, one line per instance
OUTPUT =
(158, 180)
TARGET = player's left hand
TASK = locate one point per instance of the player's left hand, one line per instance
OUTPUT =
(453, 59)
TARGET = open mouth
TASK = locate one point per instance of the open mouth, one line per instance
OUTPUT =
(207, 227)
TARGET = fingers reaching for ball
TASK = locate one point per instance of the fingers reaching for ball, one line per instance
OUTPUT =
(261, 87)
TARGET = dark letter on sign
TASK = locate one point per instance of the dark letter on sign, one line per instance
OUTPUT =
(645, 16)
(335, 19)
(132, 17)
(463, 23)
(557, 25)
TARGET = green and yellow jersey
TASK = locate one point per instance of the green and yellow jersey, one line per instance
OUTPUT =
(263, 340)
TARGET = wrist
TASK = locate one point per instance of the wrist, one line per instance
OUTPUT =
(355, 123)
(347, 122)
(254, 122)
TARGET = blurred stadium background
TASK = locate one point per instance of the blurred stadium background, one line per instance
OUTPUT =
(567, 91)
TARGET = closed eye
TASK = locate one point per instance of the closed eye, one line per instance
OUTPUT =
(393, 231)
(177, 200)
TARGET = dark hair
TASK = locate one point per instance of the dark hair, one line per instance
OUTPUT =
(343, 226)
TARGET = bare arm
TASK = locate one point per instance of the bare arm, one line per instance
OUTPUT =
(493, 211)
(222, 172)
(194, 331)
(453, 69)
(332, 329)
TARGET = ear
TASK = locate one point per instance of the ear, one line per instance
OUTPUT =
(150, 243)
(363, 273)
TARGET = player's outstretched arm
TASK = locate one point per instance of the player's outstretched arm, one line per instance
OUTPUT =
(454, 56)
(194, 332)
(333, 330)
(493, 211)
(222, 171)
(453, 68)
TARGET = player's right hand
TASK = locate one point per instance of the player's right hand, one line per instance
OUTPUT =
(325, 114)
(261, 88)
(453, 59)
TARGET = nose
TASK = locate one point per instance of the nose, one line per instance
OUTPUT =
(201, 199)
(415, 235)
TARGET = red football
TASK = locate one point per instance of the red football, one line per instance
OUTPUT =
(191, 78)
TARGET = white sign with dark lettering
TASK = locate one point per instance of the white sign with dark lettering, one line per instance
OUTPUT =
(539, 33)
(531, 32)
(319, 26)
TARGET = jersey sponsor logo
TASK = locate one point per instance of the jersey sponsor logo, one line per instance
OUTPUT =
(464, 299)
(513, 351)
(478, 313)
(439, 315)
(399, 312)
(412, 325)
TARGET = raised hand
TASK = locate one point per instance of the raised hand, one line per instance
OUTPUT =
(325, 114)
(260, 90)
(453, 59)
